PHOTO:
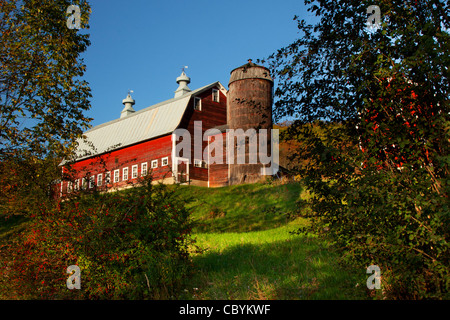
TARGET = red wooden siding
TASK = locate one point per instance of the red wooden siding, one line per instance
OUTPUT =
(144, 152)
(218, 173)
(212, 114)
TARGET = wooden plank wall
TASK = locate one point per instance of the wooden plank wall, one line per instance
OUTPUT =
(137, 154)
(211, 115)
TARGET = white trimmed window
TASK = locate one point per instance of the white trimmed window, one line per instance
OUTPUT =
(108, 177)
(144, 169)
(215, 95)
(77, 185)
(134, 171)
(200, 164)
(154, 164)
(165, 161)
(197, 163)
(83, 184)
(116, 175)
(69, 186)
(99, 179)
(125, 174)
(91, 182)
(197, 104)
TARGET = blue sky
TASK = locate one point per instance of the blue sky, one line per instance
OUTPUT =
(143, 44)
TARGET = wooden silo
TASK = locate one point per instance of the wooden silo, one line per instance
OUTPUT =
(249, 108)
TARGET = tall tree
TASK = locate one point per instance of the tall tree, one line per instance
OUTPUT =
(42, 94)
(379, 176)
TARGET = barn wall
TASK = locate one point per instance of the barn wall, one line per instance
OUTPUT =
(218, 172)
(212, 114)
(138, 154)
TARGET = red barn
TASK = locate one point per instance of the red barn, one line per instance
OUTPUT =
(171, 139)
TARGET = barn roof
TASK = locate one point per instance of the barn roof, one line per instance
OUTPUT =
(154, 121)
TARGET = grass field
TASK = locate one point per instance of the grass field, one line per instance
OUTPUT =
(249, 252)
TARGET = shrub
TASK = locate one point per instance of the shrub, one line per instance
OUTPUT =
(128, 245)
(397, 219)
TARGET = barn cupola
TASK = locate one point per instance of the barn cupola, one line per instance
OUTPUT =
(128, 102)
(183, 80)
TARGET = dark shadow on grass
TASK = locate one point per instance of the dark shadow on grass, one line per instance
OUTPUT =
(11, 225)
(299, 268)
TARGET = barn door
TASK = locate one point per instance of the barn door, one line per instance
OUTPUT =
(182, 170)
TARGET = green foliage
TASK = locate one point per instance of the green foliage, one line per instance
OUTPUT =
(42, 97)
(25, 183)
(378, 173)
(128, 245)
(40, 76)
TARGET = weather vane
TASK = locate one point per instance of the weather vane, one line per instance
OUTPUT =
(185, 67)
(130, 92)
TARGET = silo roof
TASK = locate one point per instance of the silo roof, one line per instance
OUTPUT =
(154, 121)
(250, 70)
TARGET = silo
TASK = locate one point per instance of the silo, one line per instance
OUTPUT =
(249, 108)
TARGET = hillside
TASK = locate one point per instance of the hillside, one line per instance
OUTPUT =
(241, 208)
(245, 248)
(249, 252)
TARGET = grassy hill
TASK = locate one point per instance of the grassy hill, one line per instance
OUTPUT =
(241, 208)
(249, 252)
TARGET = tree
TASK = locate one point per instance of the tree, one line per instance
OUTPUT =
(42, 94)
(379, 178)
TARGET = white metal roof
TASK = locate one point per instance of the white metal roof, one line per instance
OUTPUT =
(154, 121)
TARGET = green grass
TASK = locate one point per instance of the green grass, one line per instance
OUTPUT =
(241, 208)
(250, 253)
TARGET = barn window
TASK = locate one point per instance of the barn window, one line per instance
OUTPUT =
(77, 185)
(200, 164)
(154, 164)
(99, 179)
(69, 187)
(197, 104)
(144, 169)
(165, 161)
(116, 176)
(125, 174)
(108, 177)
(134, 171)
(215, 95)
(83, 184)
